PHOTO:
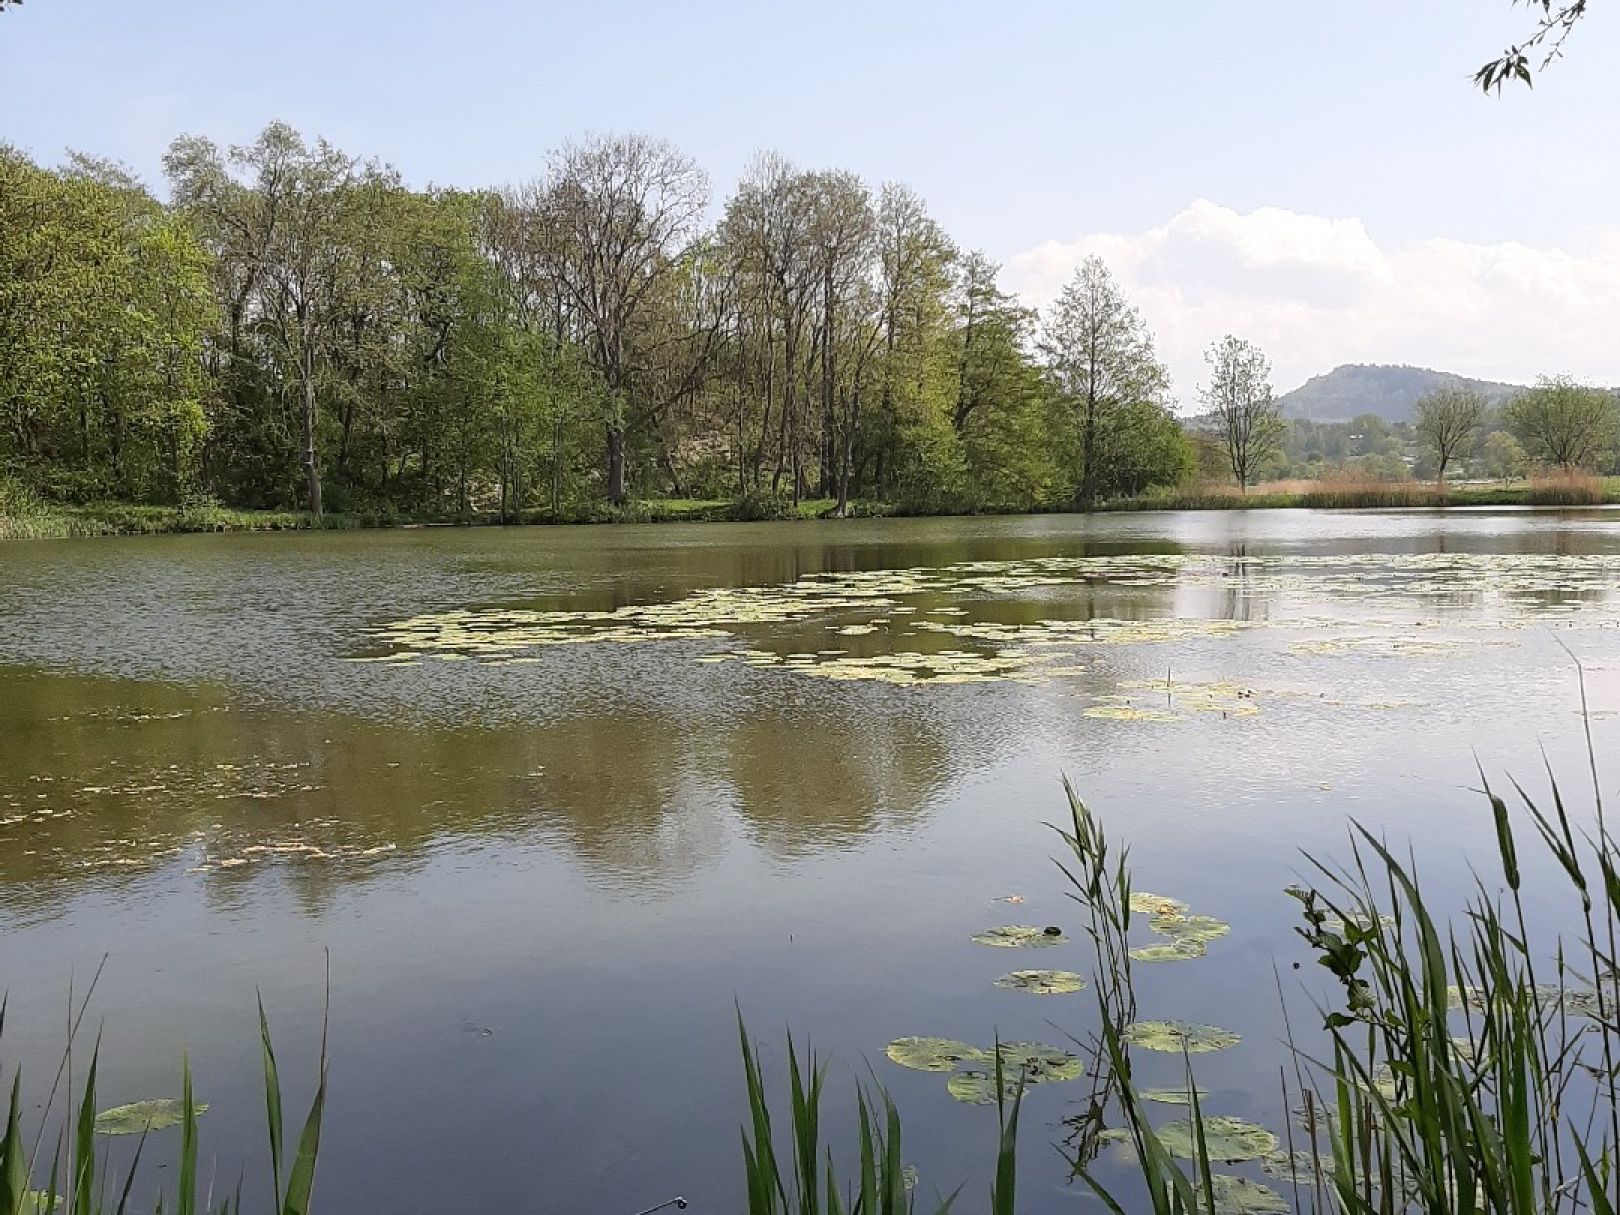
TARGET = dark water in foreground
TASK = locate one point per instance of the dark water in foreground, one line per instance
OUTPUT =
(549, 846)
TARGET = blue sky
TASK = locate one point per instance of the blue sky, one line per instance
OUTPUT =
(1183, 136)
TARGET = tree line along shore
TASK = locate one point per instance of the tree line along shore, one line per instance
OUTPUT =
(292, 336)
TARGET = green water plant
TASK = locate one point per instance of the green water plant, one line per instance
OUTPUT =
(78, 1179)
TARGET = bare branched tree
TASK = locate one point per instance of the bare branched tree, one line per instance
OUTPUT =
(623, 211)
(1445, 420)
(1247, 417)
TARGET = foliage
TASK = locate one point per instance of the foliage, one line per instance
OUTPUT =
(1563, 422)
(1544, 44)
(1106, 375)
(1248, 421)
(1504, 456)
(78, 1180)
(297, 329)
(1445, 420)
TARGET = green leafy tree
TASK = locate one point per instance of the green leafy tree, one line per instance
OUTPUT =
(1445, 421)
(1247, 419)
(1505, 458)
(1001, 412)
(1100, 360)
(1563, 422)
(104, 303)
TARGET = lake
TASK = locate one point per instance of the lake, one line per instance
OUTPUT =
(560, 801)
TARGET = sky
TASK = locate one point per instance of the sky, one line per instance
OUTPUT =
(1320, 178)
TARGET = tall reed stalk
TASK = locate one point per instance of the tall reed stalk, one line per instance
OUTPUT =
(79, 1180)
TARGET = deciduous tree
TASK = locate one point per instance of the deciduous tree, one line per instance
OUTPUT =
(1239, 399)
(1445, 421)
(1563, 422)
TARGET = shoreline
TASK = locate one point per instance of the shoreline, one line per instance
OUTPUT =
(129, 519)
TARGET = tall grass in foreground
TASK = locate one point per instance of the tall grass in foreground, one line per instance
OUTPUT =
(80, 1181)
(1461, 1071)
(805, 1181)
(1518, 1113)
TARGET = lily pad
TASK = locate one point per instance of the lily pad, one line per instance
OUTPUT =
(1297, 1168)
(1040, 1063)
(1171, 1096)
(1224, 1138)
(142, 1116)
(1199, 928)
(1131, 713)
(1020, 936)
(1587, 1003)
(1145, 903)
(1178, 1036)
(1168, 951)
(933, 1054)
(37, 1202)
(1240, 1196)
(1042, 982)
(979, 1088)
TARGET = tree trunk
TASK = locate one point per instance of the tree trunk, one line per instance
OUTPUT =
(1088, 452)
(615, 470)
(312, 471)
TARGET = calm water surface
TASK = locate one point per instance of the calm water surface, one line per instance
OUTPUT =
(556, 800)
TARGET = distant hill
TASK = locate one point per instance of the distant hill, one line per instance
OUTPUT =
(1389, 392)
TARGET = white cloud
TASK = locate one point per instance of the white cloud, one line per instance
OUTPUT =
(1316, 292)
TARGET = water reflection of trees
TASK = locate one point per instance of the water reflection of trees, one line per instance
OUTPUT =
(111, 782)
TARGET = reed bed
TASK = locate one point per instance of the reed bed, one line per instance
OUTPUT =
(1464, 1070)
(69, 1176)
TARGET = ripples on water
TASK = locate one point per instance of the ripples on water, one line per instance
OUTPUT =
(591, 785)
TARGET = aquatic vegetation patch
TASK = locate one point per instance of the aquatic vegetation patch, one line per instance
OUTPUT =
(1187, 936)
(1298, 1167)
(288, 850)
(1168, 951)
(1127, 712)
(1175, 1037)
(1189, 929)
(932, 1054)
(1042, 982)
(905, 667)
(1039, 1063)
(1517, 587)
(1224, 1138)
(1240, 1196)
(1020, 936)
(979, 1088)
(1172, 1096)
(1144, 903)
(1384, 647)
(141, 1116)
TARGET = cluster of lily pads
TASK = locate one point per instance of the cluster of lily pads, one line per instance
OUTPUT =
(1185, 935)
(922, 603)
(1021, 1063)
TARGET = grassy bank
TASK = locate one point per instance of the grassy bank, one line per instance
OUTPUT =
(32, 520)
